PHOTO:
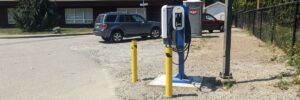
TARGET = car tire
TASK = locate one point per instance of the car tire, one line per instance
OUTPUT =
(116, 36)
(222, 28)
(105, 39)
(210, 31)
(155, 33)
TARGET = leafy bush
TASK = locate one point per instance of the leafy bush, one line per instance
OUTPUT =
(35, 15)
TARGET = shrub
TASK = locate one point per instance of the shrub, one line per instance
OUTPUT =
(35, 15)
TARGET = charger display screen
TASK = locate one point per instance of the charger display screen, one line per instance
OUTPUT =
(178, 19)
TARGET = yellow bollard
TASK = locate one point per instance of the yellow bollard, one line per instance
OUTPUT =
(134, 61)
(168, 72)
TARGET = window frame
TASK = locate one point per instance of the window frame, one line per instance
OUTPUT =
(10, 19)
(75, 11)
(135, 11)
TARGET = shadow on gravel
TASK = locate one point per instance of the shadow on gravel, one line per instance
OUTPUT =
(258, 80)
(209, 84)
(148, 79)
(207, 37)
(185, 95)
(212, 32)
(127, 40)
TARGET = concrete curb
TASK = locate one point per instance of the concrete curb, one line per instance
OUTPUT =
(40, 35)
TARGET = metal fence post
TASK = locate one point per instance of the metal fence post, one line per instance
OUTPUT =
(225, 74)
(254, 20)
(295, 28)
(260, 24)
(273, 24)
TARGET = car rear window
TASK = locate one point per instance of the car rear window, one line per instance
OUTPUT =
(110, 18)
(99, 19)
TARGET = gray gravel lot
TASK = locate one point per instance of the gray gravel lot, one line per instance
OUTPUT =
(251, 67)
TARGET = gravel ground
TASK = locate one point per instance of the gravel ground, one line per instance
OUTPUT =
(250, 64)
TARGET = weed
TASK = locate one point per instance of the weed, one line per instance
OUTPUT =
(226, 83)
(274, 58)
(295, 62)
(296, 80)
(282, 84)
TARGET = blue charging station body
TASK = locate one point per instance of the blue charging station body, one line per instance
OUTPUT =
(181, 37)
(176, 31)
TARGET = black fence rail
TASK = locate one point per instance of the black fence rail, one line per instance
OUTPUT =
(278, 24)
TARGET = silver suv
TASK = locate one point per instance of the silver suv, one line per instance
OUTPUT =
(113, 26)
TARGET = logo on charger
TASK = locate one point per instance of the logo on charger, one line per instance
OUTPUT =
(193, 11)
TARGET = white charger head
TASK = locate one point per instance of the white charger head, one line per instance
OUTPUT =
(164, 21)
(178, 18)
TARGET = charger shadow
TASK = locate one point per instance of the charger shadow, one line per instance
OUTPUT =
(127, 40)
(185, 95)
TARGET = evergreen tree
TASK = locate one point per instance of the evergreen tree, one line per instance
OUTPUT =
(35, 15)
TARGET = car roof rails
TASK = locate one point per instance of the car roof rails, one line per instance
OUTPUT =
(116, 13)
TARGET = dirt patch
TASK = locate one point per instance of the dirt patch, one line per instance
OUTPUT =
(252, 65)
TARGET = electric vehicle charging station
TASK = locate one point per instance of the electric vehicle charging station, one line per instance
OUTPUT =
(176, 34)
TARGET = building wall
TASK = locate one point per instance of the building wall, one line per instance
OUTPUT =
(3, 13)
(3, 17)
(153, 10)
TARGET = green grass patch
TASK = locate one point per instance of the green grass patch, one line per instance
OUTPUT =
(17, 31)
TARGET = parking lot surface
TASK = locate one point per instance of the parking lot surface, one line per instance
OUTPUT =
(86, 68)
(48, 69)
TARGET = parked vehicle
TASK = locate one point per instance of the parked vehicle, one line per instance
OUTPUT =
(210, 23)
(113, 26)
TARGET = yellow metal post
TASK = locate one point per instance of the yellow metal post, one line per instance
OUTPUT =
(134, 61)
(168, 72)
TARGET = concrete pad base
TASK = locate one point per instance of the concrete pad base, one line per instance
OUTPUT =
(191, 82)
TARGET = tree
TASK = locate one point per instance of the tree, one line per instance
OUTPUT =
(35, 15)
(239, 5)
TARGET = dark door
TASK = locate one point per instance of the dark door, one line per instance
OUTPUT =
(143, 27)
(129, 24)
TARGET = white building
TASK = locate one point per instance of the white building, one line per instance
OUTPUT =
(217, 10)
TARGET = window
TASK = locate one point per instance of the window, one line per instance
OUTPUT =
(139, 11)
(126, 18)
(10, 17)
(138, 18)
(79, 15)
(110, 18)
(209, 17)
(99, 19)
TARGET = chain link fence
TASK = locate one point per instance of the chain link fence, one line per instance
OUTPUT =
(279, 25)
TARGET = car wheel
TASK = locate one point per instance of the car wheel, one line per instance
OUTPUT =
(116, 36)
(210, 31)
(105, 39)
(222, 28)
(155, 33)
